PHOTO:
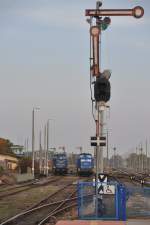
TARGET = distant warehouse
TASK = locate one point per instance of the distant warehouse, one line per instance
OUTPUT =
(8, 162)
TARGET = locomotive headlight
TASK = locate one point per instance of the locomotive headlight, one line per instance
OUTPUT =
(138, 12)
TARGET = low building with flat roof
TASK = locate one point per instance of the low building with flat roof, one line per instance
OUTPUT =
(8, 162)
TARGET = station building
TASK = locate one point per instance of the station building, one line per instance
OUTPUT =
(8, 162)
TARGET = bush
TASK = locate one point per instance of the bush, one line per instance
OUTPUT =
(26, 162)
(1, 169)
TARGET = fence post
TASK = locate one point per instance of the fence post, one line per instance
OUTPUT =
(117, 201)
(122, 203)
(78, 199)
(124, 216)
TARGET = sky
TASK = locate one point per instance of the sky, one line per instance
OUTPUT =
(44, 62)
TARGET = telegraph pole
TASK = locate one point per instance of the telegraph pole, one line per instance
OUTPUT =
(136, 164)
(27, 147)
(114, 157)
(45, 152)
(33, 138)
(47, 167)
(40, 152)
(146, 163)
(141, 156)
(80, 148)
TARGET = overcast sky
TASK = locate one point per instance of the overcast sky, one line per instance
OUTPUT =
(44, 62)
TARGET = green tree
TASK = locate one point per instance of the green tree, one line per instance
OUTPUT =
(1, 169)
(5, 146)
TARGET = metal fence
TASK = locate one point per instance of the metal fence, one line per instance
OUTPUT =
(138, 202)
(107, 207)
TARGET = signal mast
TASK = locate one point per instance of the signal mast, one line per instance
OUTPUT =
(99, 20)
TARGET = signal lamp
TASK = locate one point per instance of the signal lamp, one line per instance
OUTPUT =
(105, 23)
(107, 20)
(138, 12)
(95, 31)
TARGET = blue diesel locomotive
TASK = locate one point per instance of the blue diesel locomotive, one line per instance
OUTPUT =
(85, 164)
(60, 163)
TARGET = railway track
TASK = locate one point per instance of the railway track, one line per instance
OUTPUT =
(65, 204)
(60, 210)
(26, 187)
(42, 209)
(15, 186)
(135, 179)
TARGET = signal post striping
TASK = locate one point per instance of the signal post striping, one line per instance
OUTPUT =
(101, 82)
(95, 32)
(136, 12)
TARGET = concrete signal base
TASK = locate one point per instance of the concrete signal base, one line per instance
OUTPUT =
(98, 222)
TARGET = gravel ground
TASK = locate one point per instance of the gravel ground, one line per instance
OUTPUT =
(14, 204)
